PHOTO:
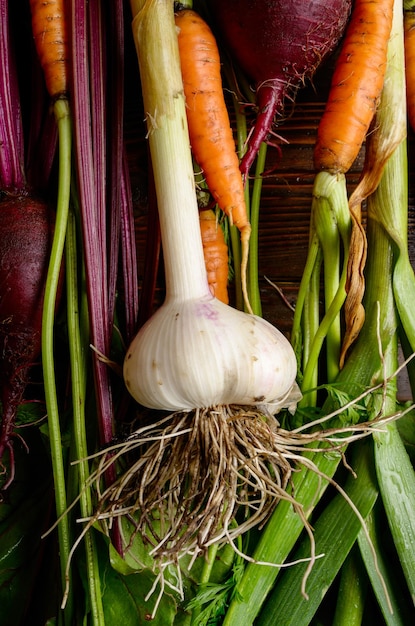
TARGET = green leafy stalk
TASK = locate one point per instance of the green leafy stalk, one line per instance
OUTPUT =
(402, 606)
(396, 478)
(48, 320)
(241, 135)
(335, 532)
(253, 202)
(77, 349)
(352, 592)
(387, 212)
(363, 367)
(331, 235)
(254, 213)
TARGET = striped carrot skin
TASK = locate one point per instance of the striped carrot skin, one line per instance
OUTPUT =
(356, 86)
(210, 131)
(215, 252)
(49, 28)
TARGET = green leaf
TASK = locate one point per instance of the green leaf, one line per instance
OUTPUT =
(396, 478)
(399, 599)
(24, 516)
(351, 595)
(30, 413)
(124, 599)
(406, 429)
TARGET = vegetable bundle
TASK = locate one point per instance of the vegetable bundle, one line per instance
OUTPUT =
(202, 466)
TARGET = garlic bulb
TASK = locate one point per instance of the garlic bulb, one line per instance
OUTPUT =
(200, 352)
(195, 351)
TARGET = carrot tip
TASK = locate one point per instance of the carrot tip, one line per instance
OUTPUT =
(245, 237)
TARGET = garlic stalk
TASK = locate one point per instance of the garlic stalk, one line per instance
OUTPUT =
(195, 351)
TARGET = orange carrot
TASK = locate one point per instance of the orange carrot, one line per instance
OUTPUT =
(409, 32)
(210, 132)
(215, 252)
(51, 41)
(356, 86)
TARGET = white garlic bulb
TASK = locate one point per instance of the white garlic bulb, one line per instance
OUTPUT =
(201, 353)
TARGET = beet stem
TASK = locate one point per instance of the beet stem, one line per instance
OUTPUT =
(12, 174)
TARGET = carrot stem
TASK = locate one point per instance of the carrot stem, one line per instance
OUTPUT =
(253, 282)
(306, 318)
(241, 136)
(208, 564)
(309, 330)
(330, 215)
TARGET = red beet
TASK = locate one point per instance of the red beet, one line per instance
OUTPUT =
(25, 239)
(278, 44)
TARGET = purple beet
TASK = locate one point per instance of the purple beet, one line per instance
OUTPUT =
(278, 44)
(25, 239)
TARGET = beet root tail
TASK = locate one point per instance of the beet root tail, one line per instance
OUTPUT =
(11, 398)
(270, 101)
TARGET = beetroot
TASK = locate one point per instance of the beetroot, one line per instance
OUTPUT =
(25, 238)
(278, 44)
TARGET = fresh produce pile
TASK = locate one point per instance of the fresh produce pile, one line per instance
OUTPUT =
(167, 454)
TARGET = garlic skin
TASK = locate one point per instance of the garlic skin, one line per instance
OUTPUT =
(200, 353)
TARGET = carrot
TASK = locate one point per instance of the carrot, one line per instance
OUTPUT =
(210, 132)
(215, 252)
(409, 39)
(51, 41)
(356, 86)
